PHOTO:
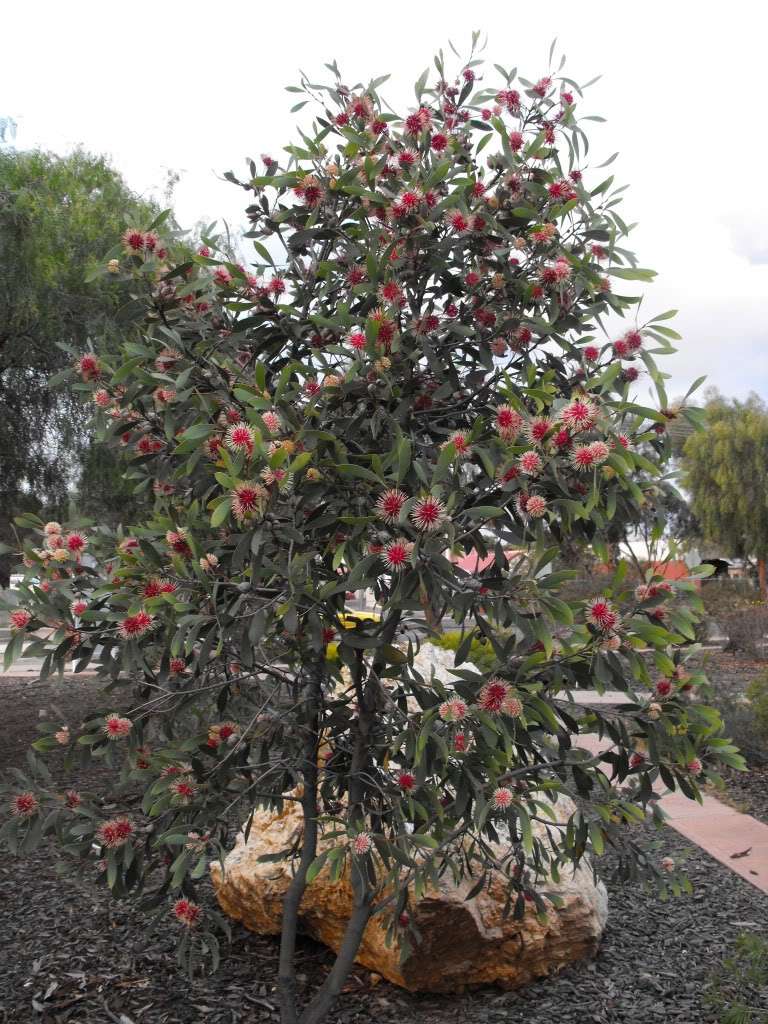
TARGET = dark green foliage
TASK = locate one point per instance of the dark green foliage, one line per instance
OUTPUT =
(58, 216)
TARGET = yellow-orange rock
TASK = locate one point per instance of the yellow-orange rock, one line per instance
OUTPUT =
(462, 943)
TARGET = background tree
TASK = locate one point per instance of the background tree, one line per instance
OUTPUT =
(57, 215)
(418, 375)
(725, 469)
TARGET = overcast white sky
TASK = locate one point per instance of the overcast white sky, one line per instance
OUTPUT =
(196, 87)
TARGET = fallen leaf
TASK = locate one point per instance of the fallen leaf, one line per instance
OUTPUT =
(744, 853)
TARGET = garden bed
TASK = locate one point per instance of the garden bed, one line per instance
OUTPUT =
(71, 953)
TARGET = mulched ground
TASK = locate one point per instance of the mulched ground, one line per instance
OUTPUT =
(68, 952)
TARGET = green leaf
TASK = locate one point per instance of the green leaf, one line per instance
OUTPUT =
(221, 513)
(485, 512)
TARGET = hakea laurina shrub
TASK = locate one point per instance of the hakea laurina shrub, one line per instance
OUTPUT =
(412, 369)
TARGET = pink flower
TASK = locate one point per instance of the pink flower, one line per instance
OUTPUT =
(240, 438)
(600, 451)
(502, 798)
(428, 513)
(249, 501)
(222, 277)
(406, 781)
(24, 805)
(695, 767)
(20, 618)
(516, 141)
(493, 696)
(72, 799)
(530, 463)
(601, 614)
(115, 833)
(135, 626)
(390, 504)
(102, 398)
(117, 728)
(272, 421)
(508, 422)
(542, 86)
(513, 707)
(535, 506)
(396, 554)
(453, 710)
(362, 844)
(78, 607)
(76, 542)
(664, 687)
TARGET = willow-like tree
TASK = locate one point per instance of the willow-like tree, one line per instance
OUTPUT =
(409, 370)
(725, 468)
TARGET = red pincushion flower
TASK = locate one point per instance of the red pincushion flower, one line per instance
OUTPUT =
(493, 696)
(601, 614)
(502, 798)
(362, 844)
(438, 141)
(186, 912)
(328, 634)
(530, 463)
(117, 728)
(535, 506)
(88, 366)
(508, 422)
(460, 742)
(636, 760)
(355, 275)
(453, 710)
(177, 665)
(456, 220)
(390, 504)
(20, 618)
(135, 626)
(248, 501)
(664, 687)
(538, 429)
(72, 799)
(579, 415)
(240, 438)
(357, 340)
(396, 554)
(133, 240)
(115, 833)
(695, 767)
(406, 781)
(428, 513)
(24, 805)
(582, 457)
(591, 353)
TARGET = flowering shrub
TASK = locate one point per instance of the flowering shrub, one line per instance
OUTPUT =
(410, 370)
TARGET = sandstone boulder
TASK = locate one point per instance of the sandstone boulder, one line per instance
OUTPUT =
(463, 942)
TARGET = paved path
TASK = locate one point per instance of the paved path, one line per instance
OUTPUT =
(721, 831)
